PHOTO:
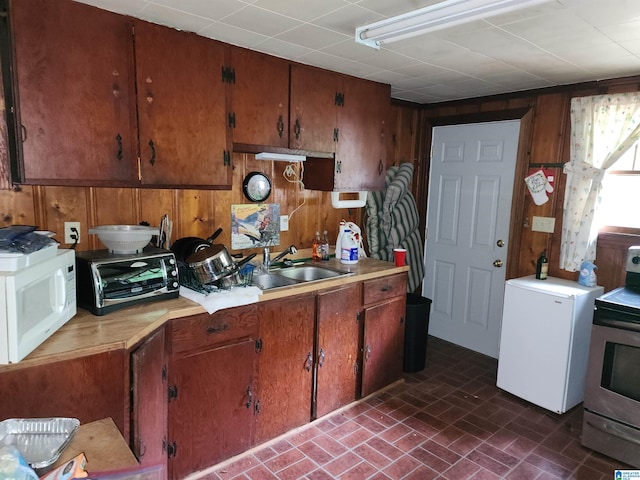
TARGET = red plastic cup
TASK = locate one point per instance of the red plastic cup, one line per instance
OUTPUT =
(400, 254)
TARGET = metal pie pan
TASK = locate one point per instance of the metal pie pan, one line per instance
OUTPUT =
(39, 440)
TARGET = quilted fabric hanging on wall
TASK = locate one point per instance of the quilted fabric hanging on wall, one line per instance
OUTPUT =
(393, 222)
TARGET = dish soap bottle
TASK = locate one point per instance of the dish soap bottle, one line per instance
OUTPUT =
(542, 267)
(316, 253)
(325, 246)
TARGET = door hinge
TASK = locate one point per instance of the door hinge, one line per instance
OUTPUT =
(339, 166)
(339, 99)
(231, 119)
(336, 134)
(259, 345)
(172, 392)
(164, 373)
(172, 449)
(228, 75)
(226, 158)
(256, 407)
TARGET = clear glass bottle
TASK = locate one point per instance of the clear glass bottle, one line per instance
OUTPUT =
(316, 248)
(325, 246)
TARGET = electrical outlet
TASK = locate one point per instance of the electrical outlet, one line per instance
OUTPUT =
(71, 232)
(284, 223)
(543, 224)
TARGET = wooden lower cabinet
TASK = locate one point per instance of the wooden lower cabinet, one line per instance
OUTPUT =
(211, 413)
(337, 364)
(88, 388)
(149, 401)
(285, 365)
(384, 323)
(211, 388)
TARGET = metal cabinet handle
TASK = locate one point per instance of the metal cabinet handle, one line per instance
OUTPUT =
(23, 130)
(152, 160)
(367, 353)
(119, 140)
(309, 362)
(249, 397)
(321, 358)
(380, 167)
(280, 126)
(296, 129)
(218, 329)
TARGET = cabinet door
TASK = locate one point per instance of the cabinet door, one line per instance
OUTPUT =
(149, 402)
(383, 344)
(361, 149)
(77, 95)
(314, 95)
(259, 99)
(211, 416)
(88, 388)
(285, 365)
(337, 349)
(181, 108)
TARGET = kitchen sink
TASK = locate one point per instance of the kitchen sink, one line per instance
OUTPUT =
(309, 273)
(288, 276)
(267, 280)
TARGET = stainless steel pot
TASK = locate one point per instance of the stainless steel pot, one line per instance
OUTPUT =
(213, 263)
(187, 246)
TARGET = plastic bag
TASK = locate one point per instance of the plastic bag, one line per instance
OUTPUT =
(587, 275)
(13, 466)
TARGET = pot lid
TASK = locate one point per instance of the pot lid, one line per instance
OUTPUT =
(206, 253)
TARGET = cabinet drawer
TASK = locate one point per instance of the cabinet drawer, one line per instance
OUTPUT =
(204, 331)
(383, 288)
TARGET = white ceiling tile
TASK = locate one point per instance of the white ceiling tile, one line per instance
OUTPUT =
(554, 43)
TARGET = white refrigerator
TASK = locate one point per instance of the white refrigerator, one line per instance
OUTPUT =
(544, 340)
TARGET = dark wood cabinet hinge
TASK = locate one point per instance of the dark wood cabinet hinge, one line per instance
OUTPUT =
(339, 99)
(172, 392)
(226, 158)
(172, 449)
(339, 166)
(231, 120)
(256, 407)
(228, 75)
(259, 345)
(336, 134)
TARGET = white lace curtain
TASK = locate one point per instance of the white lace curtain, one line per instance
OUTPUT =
(603, 127)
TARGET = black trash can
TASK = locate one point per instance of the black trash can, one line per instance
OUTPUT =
(415, 332)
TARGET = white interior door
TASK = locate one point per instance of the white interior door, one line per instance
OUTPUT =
(470, 191)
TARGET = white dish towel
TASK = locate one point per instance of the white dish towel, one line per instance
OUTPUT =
(218, 300)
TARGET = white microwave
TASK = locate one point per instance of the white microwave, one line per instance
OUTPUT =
(35, 301)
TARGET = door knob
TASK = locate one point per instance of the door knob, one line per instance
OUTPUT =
(500, 243)
(497, 263)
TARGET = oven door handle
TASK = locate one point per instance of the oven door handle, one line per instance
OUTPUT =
(609, 322)
(613, 430)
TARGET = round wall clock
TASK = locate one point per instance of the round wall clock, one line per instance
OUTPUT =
(256, 186)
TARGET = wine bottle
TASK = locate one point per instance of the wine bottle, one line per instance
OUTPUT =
(542, 266)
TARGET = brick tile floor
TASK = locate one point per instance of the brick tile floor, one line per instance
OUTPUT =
(449, 422)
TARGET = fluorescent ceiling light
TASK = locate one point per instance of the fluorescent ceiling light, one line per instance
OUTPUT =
(283, 157)
(435, 17)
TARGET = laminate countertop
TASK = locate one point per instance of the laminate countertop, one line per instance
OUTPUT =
(87, 334)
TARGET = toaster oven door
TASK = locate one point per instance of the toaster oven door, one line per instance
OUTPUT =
(123, 281)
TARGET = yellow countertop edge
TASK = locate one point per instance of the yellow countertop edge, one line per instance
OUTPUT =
(86, 334)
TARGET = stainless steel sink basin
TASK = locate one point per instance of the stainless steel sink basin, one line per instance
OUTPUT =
(309, 273)
(288, 276)
(267, 281)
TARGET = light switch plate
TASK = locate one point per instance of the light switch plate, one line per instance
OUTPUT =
(284, 223)
(543, 224)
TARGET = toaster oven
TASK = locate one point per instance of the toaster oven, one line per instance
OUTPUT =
(108, 281)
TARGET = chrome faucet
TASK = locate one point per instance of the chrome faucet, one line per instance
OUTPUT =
(266, 255)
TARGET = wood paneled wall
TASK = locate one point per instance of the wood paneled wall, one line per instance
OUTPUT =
(194, 212)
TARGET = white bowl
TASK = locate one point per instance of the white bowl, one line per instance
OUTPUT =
(123, 239)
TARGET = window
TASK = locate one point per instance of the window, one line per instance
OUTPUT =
(621, 193)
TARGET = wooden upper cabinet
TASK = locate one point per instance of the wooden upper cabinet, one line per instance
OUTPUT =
(76, 94)
(360, 150)
(315, 99)
(181, 108)
(259, 99)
